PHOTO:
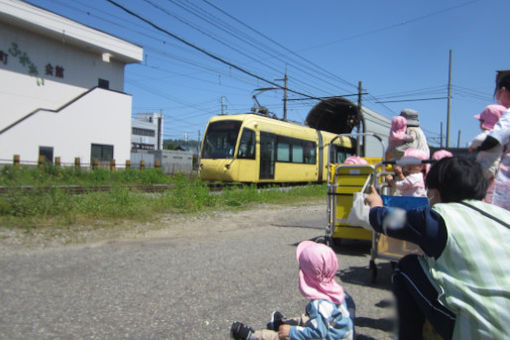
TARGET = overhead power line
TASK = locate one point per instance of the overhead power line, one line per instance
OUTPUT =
(411, 100)
(209, 54)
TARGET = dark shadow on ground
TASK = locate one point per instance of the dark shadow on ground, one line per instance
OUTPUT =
(383, 324)
(363, 275)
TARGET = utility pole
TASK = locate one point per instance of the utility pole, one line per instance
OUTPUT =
(223, 106)
(285, 79)
(458, 140)
(441, 136)
(449, 102)
(358, 147)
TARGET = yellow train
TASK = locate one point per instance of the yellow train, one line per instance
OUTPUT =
(253, 148)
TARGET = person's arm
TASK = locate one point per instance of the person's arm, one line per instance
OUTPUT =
(488, 143)
(422, 226)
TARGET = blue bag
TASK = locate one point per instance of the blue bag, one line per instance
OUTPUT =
(404, 202)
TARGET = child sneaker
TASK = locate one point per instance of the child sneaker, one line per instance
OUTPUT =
(240, 331)
(276, 321)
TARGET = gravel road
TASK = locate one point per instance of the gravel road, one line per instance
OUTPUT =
(184, 277)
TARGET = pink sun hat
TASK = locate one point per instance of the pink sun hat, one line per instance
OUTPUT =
(415, 154)
(440, 154)
(490, 115)
(317, 269)
(354, 160)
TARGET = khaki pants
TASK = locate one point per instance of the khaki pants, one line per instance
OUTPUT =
(266, 334)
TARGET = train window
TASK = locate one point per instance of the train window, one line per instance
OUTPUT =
(309, 152)
(220, 139)
(297, 153)
(247, 145)
(283, 152)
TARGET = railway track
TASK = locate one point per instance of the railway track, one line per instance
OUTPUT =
(77, 189)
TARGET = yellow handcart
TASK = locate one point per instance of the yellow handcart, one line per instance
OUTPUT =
(343, 181)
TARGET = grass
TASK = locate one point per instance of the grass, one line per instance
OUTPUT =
(55, 208)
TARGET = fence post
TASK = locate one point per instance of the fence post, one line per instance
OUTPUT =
(57, 162)
(156, 164)
(77, 162)
(128, 164)
(40, 162)
(15, 160)
(95, 163)
(112, 165)
(142, 164)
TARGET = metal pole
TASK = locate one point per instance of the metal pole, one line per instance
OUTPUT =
(441, 136)
(358, 146)
(285, 78)
(458, 140)
(449, 102)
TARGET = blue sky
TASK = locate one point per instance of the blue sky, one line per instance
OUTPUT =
(399, 50)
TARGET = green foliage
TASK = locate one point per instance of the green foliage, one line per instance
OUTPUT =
(51, 175)
(49, 205)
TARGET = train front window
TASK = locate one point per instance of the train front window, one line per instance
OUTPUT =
(247, 145)
(220, 139)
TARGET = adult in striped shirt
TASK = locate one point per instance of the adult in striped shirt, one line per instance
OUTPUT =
(461, 283)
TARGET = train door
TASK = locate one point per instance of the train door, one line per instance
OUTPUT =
(267, 155)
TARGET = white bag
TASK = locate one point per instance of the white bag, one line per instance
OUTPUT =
(359, 214)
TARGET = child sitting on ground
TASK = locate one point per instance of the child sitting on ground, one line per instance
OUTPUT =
(410, 182)
(327, 314)
(488, 159)
(397, 137)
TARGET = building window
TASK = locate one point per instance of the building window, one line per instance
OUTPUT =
(47, 153)
(143, 132)
(103, 83)
(101, 152)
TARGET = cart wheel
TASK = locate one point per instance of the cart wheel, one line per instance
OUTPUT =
(337, 242)
(373, 269)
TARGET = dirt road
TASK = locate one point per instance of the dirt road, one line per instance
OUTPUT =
(185, 277)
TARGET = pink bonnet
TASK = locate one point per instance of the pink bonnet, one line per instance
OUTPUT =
(490, 115)
(355, 160)
(412, 153)
(440, 154)
(317, 269)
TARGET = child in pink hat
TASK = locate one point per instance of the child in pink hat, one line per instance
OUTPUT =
(327, 312)
(397, 137)
(410, 181)
(488, 159)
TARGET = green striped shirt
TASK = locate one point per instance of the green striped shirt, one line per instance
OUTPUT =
(472, 274)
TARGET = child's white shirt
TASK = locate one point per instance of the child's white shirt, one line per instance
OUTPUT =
(488, 159)
(412, 185)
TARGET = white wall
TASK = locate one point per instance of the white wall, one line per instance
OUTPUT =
(100, 117)
(20, 92)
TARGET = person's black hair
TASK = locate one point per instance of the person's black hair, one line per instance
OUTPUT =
(457, 179)
(503, 81)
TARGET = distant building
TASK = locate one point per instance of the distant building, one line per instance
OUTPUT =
(61, 88)
(147, 132)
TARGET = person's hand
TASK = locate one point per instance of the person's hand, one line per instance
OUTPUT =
(389, 178)
(373, 199)
(398, 171)
(284, 331)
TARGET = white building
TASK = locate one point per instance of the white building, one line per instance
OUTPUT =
(61, 88)
(147, 132)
